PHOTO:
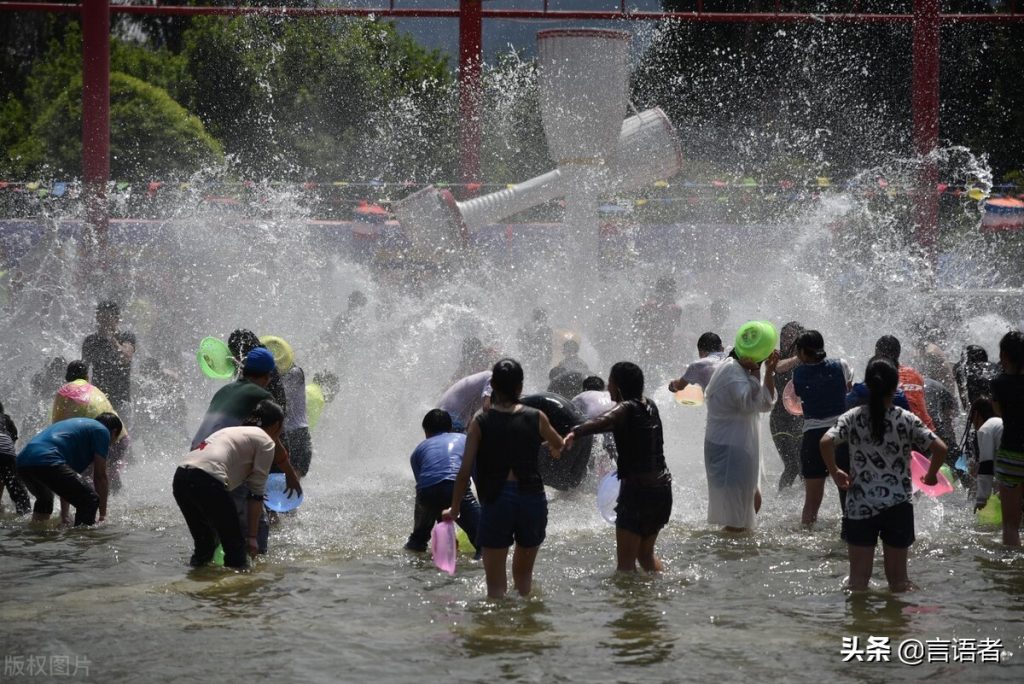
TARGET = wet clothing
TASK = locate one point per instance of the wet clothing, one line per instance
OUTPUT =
(989, 436)
(895, 525)
(535, 345)
(509, 442)
(570, 364)
(822, 391)
(787, 435)
(299, 444)
(231, 405)
(654, 328)
(9, 479)
(859, 395)
(74, 442)
(235, 456)
(943, 408)
(513, 516)
(879, 472)
(46, 481)
(210, 515)
(294, 382)
(465, 398)
(974, 380)
(1008, 392)
(732, 459)
(234, 459)
(593, 403)
(912, 384)
(111, 370)
(7, 425)
(435, 462)
(437, 459)
(52, 461)
(645, 495)
(700, 371)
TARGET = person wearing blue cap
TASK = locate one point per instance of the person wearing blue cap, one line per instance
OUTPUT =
(233, 404)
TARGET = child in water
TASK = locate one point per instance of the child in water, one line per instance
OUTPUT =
(878, 500)
(989, 433)
(502, 445)
(645, 495)
(822, 384)
(1008, 399)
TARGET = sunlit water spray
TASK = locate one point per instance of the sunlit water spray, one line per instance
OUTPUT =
(337, 594)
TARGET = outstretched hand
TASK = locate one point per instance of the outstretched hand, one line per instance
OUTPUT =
(930, 479)
(448, 515)
(772, 361)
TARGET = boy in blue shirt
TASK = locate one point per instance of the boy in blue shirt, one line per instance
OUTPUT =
(53, 460)
(435, 463)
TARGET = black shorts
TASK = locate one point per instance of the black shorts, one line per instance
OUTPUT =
(644, 509)
(812, 465)
(894, 525)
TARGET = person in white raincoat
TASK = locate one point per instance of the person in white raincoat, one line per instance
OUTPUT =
(734, 398)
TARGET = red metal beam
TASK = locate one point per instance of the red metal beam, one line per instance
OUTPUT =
(470, 101)
(390, 11)
(925, 106)
(96, 115)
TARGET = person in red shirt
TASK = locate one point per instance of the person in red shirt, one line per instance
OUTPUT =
(911, 382)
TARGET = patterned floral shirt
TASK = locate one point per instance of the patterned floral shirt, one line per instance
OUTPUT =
(879, 473)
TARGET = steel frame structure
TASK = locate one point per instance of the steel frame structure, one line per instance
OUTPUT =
(926, 20)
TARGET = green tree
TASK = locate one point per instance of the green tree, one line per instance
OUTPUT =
(151, 135)
(320, 98)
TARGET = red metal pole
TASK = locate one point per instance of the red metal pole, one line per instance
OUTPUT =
(925, 102)
(96, 115)
(470, 61)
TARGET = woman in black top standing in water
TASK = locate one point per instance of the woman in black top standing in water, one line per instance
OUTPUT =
(645, 495)
(502, 444)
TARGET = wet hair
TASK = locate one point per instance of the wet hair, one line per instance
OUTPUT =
(811, 343)
(241, 342)
(436, 422)
(975, 353)
(108, 306)
(709, 342)
(570, 347)
(329, 384)
(111, 422)
(983, 408)
(507, 379)
(593, 383)
(787, 338)
(629, 379)
(882, 376)
(267, 413)
(1012, 347)
(76, 370)
(889, 347)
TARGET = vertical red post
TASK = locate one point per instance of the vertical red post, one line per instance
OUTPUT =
(470, 94)
(925, 102)
(96, 116)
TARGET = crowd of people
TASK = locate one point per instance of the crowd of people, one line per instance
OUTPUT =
(859, 435)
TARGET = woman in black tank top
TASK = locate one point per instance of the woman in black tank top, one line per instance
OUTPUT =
(645, 494)
(503, 445)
